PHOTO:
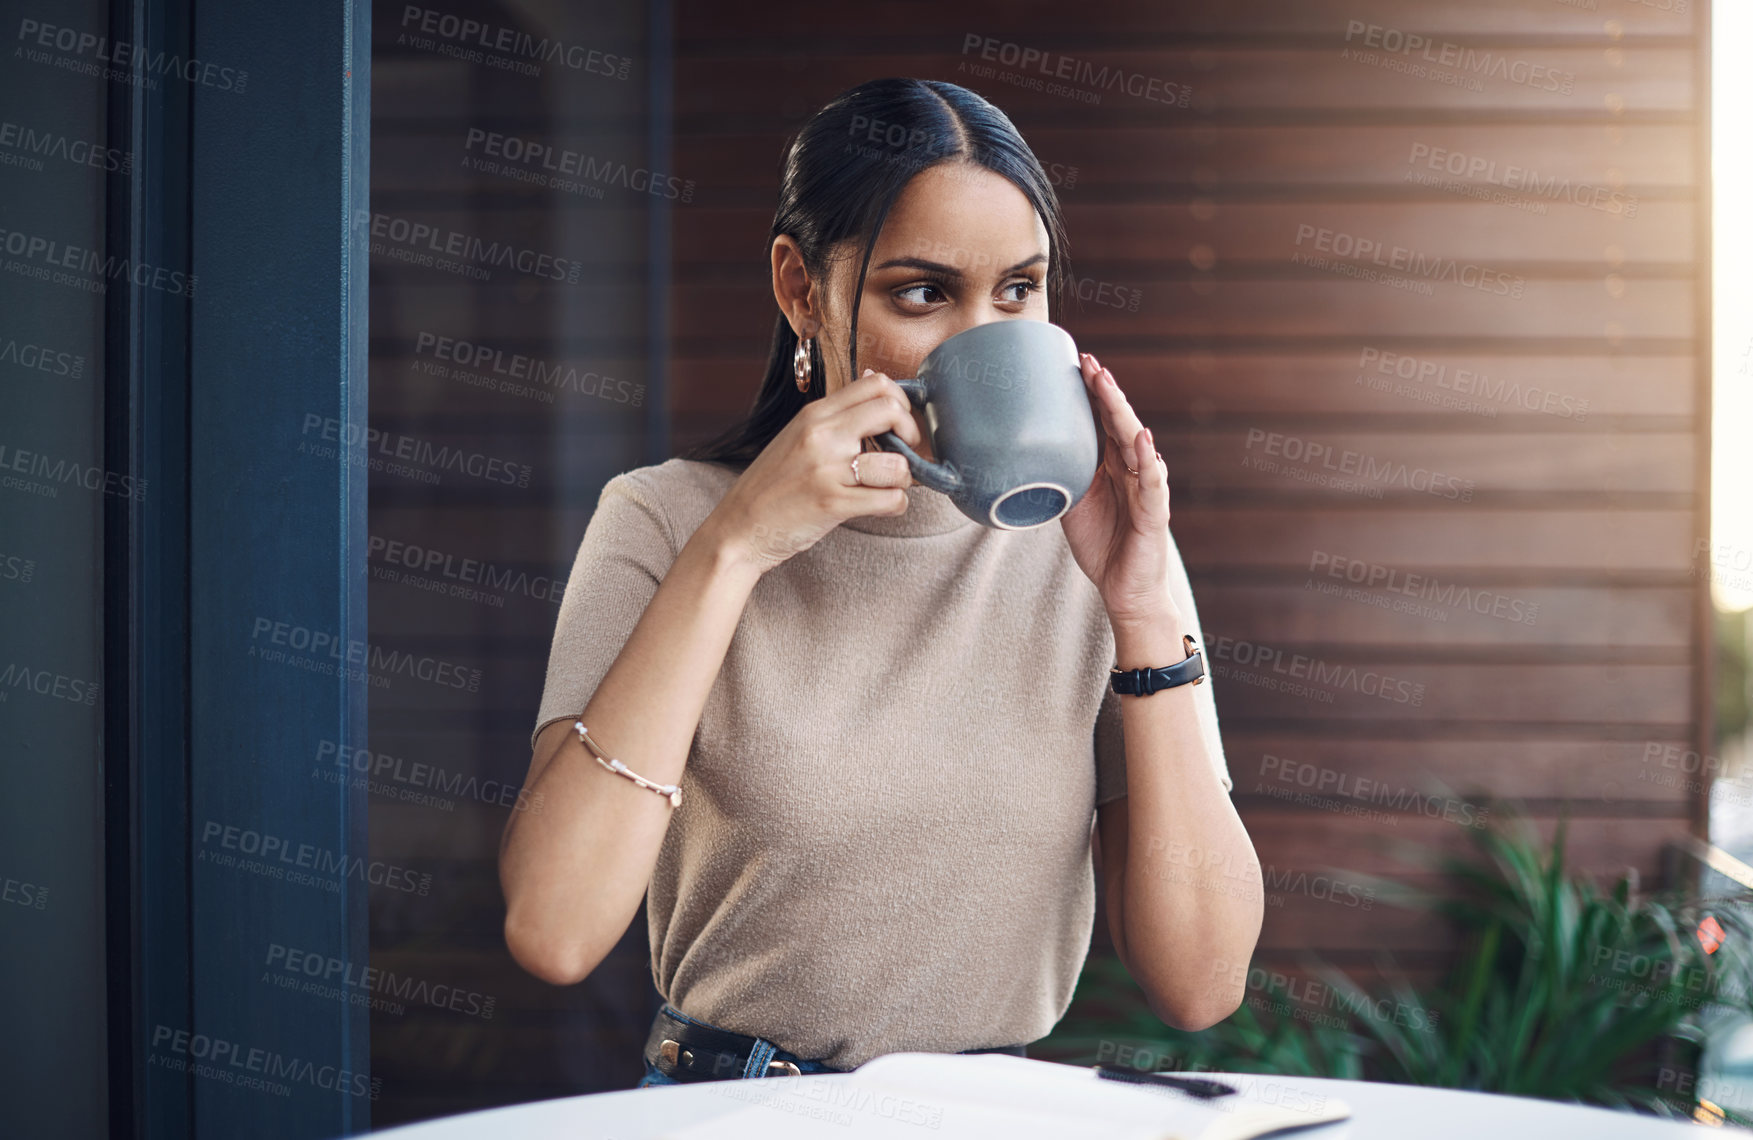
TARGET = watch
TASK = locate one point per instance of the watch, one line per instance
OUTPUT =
(1144, 682)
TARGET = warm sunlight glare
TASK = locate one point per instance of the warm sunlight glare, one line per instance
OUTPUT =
(1731, 554)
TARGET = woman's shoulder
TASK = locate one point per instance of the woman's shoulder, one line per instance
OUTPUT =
(680, 478)
(681, 492)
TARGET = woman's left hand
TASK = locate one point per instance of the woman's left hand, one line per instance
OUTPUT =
(1119, 530)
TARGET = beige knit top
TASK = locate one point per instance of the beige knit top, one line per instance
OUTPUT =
(884, 836)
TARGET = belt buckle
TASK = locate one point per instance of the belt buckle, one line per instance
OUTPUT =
(680, 1059)
(672, 1052)
(677, 1056)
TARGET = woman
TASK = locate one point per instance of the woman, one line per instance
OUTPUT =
(890, 726)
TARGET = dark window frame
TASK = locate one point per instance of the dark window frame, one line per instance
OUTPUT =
(255, 194)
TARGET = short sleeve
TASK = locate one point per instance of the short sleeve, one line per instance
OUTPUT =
(627, 549)
(1110, 749)
(1110, 744)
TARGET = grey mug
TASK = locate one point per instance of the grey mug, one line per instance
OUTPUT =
(1010, 423)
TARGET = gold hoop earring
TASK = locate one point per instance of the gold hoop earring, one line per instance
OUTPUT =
(800, 364)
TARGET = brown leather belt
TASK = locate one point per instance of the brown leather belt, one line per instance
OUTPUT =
(688, 1050)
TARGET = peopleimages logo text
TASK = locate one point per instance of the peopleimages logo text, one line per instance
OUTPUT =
(1432, 267)
(74, 690)
(422, 453)
(269, 638)
(1056, 65)
(1468, 382)
(1475, 61)
(1521, 179)
(1425, 587)
(464, 570)
(355, 980)
(53, 254)
(88, 476)
(36, 358)
(471, 33)
(1314, 454)
(235, 1063)
(1228, 653)
(544, 376)
(122, 54)
(276, 853)
(577, 164)
(79, 152)
(414, 235)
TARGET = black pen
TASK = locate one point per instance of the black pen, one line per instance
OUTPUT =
(1192, 1086)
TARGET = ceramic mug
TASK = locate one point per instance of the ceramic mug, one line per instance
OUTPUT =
(1010, 423)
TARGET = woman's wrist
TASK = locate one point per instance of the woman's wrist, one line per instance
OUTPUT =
(727, 554)
(1149, 641)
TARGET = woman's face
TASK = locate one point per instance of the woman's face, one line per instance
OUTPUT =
(961, 246)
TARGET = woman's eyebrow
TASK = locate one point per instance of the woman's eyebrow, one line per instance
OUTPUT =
(951, 271)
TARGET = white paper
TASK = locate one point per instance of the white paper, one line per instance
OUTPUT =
(926, 1096)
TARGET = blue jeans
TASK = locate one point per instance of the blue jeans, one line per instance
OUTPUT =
(654, 1077)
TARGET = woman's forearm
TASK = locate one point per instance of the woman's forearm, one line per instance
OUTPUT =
(574, 873)
(1192, 894)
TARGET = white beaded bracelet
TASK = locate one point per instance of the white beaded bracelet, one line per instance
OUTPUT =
(673, 791)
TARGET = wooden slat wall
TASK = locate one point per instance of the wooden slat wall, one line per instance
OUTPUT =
(1590, 517)
(1579, 512)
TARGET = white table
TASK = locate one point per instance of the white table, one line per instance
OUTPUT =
(1379, 1112)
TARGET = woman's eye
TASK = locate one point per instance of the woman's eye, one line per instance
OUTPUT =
(909, 294)
(1019, 290)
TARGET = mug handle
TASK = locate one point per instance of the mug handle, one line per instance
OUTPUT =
(934, 474)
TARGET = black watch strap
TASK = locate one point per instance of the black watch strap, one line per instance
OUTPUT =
(1144, 682)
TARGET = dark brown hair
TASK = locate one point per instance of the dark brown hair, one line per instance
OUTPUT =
(842, 173)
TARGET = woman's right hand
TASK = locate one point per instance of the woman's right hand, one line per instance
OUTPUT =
(800, 487)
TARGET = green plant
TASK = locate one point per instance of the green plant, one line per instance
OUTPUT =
(1561, 990)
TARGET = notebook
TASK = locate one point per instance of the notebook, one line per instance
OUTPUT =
(953, 1096)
